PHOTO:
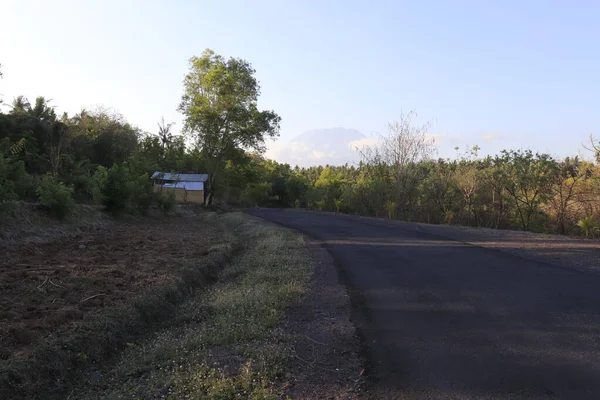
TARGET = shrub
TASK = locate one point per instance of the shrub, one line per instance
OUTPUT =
(165, 201)
(97, 184)
(55, 196)
(256, 194)
(116, 191)
(142, 195)
(122, 192)
(7, 186)
(24, 185)
(588, 226)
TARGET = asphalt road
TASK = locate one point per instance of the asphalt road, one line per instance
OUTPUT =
(444, 319)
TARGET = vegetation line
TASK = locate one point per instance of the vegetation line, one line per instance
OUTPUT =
(97, 157)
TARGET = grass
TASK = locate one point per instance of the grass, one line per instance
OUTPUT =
(223, 343)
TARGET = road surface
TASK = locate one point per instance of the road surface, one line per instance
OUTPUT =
(442, 319)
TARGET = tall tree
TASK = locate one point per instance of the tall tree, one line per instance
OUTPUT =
(220, 109)
(164, 133)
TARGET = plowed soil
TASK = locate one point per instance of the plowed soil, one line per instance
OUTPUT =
(45, 289)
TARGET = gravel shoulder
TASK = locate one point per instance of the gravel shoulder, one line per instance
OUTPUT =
(327, 362)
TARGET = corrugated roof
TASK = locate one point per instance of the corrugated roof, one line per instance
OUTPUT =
(167, 176)
(185, 185)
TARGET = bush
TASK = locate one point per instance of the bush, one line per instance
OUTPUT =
(55, 196)
(7, 186)
(165, 201)
(588, 226)
(256, 194)
(122, 192)
(97, 184)
(142, 194)
(116, 191)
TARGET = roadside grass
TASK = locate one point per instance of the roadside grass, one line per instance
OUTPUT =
(224, 343)
(49, 367)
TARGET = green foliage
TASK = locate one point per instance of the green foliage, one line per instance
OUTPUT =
(588, 226)
(390, 208)
(526, 178)
(7, 186)
(256, 194)
(55, 196)
(166, 201)
(142, 195)
(97, 183)
(116, 192)
(124, 191)
(219, 105)
(338, 204)
(296, 187)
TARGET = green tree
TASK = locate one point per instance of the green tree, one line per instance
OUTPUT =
(220, 110)
(296, 187)
(256, 194)
(527, 178)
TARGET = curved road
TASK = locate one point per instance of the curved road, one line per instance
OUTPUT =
(446, 320)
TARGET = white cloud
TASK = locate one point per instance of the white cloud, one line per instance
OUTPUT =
(437, 138)
(357, 145)
(276, 149)
(297, 147)
(489, 138)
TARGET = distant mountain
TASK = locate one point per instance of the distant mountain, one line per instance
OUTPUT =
(333, 146)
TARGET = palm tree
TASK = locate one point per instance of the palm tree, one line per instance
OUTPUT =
(164, 133)
(42, 110)
(20, 105)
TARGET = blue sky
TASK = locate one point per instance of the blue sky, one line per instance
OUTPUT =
(500, 74)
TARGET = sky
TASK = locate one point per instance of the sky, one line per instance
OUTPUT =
(498, 74)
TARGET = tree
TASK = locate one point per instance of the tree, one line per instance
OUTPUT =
(220, 110)
(398, 154)
(527, 178)
(466, 180)
(564, 188)
(164, 133)
(296, 187)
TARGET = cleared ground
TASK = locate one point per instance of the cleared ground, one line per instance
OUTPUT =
(445, 319)
(194, 305)
(46, 288)
(70, 298)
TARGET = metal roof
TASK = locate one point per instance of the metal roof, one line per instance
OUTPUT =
(185, 185)
(167, 176)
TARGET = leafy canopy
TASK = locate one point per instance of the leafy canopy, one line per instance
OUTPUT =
(220, 109)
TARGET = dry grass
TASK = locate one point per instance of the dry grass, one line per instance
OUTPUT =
(223, 343)
(25, 222)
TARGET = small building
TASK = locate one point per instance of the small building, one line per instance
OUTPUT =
(188, 188)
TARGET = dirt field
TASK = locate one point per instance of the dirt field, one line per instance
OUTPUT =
(51, 290)
(49, 287)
